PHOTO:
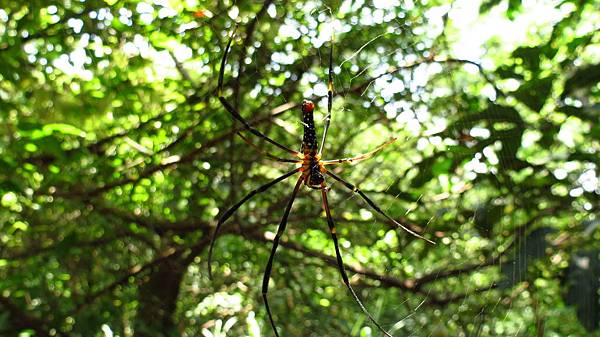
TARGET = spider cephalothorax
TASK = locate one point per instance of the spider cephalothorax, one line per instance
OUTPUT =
(312, 173)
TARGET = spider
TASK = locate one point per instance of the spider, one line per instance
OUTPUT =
(311, 171)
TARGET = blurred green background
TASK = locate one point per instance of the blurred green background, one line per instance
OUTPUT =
(116, 158)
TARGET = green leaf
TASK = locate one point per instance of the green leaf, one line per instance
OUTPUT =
(487, 5)
(65, 129)
(514, 7)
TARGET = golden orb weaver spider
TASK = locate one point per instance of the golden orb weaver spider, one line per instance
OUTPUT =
(312, 173)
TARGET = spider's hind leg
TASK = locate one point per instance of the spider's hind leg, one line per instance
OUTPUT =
(228, 213)
(340, 262)
(269, 267)
(374, 206)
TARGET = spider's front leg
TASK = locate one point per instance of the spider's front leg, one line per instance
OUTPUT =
(329, 97)
(233, 111)
(360, 157)
(268, 154)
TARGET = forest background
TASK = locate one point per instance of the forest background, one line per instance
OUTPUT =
(116, 158)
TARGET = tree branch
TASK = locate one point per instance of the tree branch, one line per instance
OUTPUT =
(23, 320)
(386, 281)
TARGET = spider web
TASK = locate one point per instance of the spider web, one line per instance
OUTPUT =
(408, 308)
(438, 177)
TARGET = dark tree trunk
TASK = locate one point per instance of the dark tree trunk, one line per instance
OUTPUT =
(157, 298)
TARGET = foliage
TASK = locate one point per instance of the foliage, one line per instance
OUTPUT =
(116, 158)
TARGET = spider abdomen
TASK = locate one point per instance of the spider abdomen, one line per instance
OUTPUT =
(309, 142)
(312, 167)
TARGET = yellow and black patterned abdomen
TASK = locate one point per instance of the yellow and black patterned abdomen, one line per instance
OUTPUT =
(312, 167)
(309, 142)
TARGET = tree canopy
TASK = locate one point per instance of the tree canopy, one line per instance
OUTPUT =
(117, 158)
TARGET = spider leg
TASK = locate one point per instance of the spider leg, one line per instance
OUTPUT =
(273, 157)
(374, 206)
(234, 208)
(329, 96)
(233, 111)
(340, 262)
(360, 157)
(280, 230)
